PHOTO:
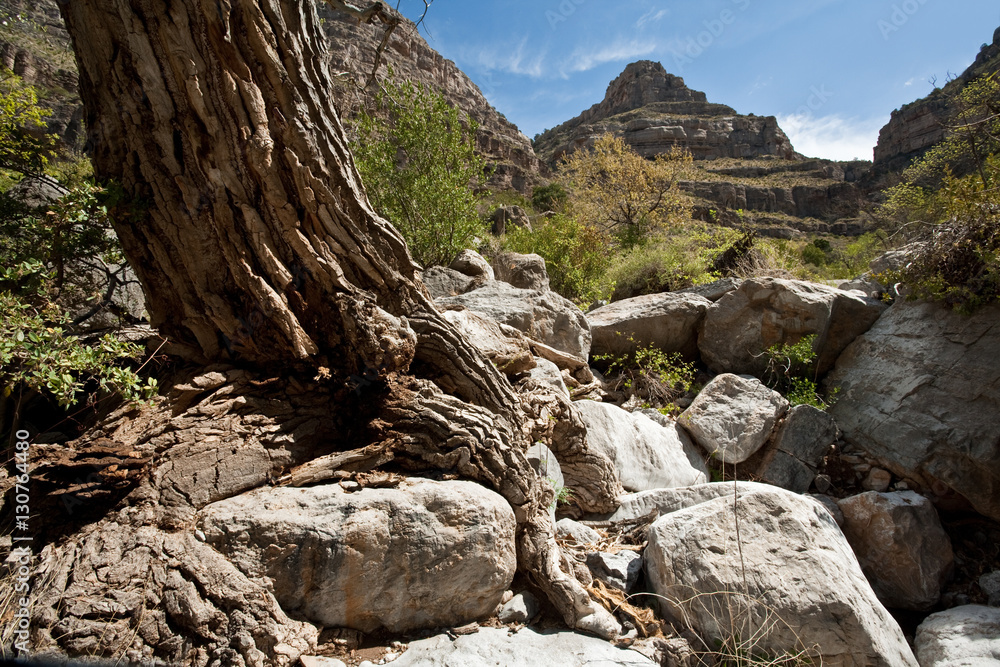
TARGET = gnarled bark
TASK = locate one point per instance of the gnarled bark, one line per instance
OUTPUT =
(248, 227)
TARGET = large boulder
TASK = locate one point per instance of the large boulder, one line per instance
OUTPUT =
(424, 555)
(968, 635)
(527, 648)
(507, 348)
(442, 281)
(733, 416)
(770, 559)
(901, 546)
(920, 392)
(521, 271)
(472, 264)
(540, 314)
(667, 321)
(763, 312)
(645, 454)
(800, 443)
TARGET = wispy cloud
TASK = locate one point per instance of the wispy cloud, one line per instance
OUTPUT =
(832, 137)
(652, 16)
(522, 60)
(584, 59)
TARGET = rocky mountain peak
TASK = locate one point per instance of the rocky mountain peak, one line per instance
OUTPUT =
(642, 83)
(655, 110)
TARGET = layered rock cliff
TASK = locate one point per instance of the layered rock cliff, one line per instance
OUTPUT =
(654, 110)
(744, 163)
(353, 48)
(35, 46)
(917, 126)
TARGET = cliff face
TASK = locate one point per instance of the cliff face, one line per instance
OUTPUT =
(743, 163)
(653, 111)
(919, 125)
(35, 46)
(353, 49)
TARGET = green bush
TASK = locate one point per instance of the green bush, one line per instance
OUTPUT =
(551, 197)
(416, 155)
(576, 256)
(950, 202)
(669, 262)
(813, 255)
(791, 370)
(38, 348)
(656, 377)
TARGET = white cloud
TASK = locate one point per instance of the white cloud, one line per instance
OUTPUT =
(652, 16)
(584, 59)
(521, 60)
(832, 137)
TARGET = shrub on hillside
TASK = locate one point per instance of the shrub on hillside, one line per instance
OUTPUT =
(624, 195)
(42, 250)
(576, 256)
(949, 200)
(669, 262)
(416, 155)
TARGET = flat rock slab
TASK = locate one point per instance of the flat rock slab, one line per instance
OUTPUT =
(491, 647)
(540, 314)
(427, 554)
(665, 501)
(920, 392)
(667, 321)
(968, 635)
(801, 579)
(645, 454)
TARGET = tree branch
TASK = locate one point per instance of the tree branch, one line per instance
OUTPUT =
(376, 11)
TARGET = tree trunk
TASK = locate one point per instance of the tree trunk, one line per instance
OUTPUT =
(244, 218)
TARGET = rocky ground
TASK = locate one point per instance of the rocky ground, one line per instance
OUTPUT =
(865, 534)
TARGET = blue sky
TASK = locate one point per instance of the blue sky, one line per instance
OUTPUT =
(831, 70)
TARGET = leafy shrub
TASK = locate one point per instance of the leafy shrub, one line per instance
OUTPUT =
(791, 370)
(576, 256)
(669, 262)
(623, 194)
(551, 197)
(814, 255)
(949, 200)
(653, 376)
(38, 247)
(416, 155)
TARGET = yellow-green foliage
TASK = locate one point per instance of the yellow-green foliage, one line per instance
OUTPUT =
(38, 350)
(25, 148)
(950, 202)
(669, 261)
(576, 256)
(624, 195)
(416, 155)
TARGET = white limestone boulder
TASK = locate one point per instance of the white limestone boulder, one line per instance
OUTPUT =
(785, 566)
(645, 454)
(423, 555)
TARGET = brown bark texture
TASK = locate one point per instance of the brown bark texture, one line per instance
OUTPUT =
(244, 218)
